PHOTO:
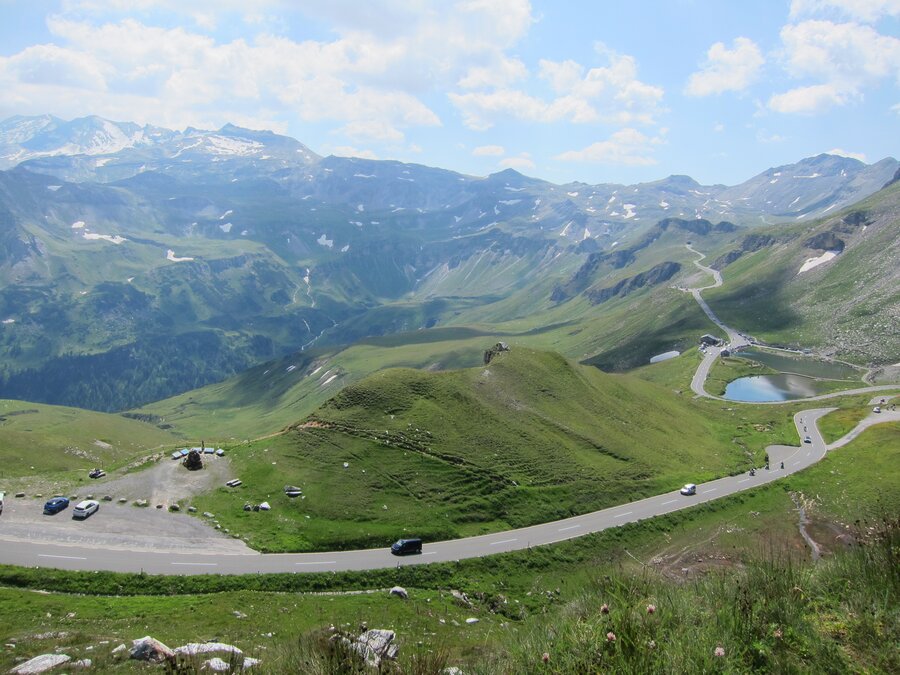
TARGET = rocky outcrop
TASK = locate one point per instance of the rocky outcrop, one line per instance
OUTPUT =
(749, 244)
(655, 275)
(40, 664)
(151, 649)
(825, 241)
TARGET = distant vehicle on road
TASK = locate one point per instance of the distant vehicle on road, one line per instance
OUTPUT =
(1, 501)
(84, 509)
(96, 473)
(689, 489)
(807, 440)
(876, 409)
(56, 505)
(406, 546)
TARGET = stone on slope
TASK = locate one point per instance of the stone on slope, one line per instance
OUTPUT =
(40, 664)
(150, 649)
(194, 648)
(400, 592)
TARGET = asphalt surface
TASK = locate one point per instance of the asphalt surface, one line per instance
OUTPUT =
(93, 557)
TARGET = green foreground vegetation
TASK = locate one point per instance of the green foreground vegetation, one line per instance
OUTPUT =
(731, 575)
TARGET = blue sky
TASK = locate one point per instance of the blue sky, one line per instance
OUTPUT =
(593, 91)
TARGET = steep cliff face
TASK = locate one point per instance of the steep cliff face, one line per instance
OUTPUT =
(655, 275)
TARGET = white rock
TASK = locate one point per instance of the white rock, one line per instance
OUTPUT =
(150, 649)
(471, 620)
(264, 506)
(249, 662)
(118, 650)
(82, 663)
(40, 664)
(217, 665)
(195, 648)
(400, 592)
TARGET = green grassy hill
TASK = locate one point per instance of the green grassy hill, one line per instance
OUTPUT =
(528, 438)
(38, 439)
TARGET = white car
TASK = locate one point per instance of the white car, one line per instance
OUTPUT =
(85, 508)
(689, 489)
(876, 409)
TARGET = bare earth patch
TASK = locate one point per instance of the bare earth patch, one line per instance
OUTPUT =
(125, 526)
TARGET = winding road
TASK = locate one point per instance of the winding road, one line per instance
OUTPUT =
(80, 557)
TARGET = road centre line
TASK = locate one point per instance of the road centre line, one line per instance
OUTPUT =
(505, 541)
(671, 501)
(318, 562)
(198, 564)
(570, 527)
(64, 557)
(622, 515)
(743, 481)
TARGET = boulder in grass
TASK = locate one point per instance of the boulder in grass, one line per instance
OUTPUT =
(150, 649)
(194, 648)
(375, 645)
(217, 665)
(400, 592)
(40, 664)
(264, 506)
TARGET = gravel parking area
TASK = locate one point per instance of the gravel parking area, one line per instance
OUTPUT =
(125, 526)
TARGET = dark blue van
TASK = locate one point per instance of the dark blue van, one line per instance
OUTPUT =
(406, 546)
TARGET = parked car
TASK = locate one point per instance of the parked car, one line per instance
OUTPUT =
(406, 546)
(84, 509)
(689, 489)
(1, 501)
(96, 473)
(56, 505)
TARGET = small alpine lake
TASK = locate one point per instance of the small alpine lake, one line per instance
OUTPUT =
(800, 376)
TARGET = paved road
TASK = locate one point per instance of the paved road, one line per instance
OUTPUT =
(94, 558)
(79, 557)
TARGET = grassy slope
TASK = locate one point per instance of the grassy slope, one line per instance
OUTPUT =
(42, 439)
(839, 305)
(530, 438)
(844, 616)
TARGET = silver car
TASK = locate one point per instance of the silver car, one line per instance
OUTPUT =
(84, 509)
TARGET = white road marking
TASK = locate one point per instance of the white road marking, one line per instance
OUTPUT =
(570, 527)
(622, 515)
(429, 552)
(743, 481)
(64, 557)
(197, 564)
(505, 541)
(711, 490)
(320, 562)
(671, 501)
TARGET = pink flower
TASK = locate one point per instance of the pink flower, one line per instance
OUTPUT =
(651, 609)
(720, 651)
(610, 637)
(546, 657)
(604, 608)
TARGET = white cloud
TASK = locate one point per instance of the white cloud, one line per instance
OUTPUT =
(489, 151)
(896, 108)
(843, 153)
(860, 10)
(844, 57)
(808, 100)
(719, 127)
(727, 69)
(350, 151)
(611, 93)
(626, 147)
(520, 163)
(763, 136)
(370, 79)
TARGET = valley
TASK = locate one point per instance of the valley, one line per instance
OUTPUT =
(325, 321)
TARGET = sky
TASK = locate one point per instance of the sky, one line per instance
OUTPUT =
(595, 91)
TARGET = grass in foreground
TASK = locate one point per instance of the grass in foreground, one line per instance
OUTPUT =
(843, 618)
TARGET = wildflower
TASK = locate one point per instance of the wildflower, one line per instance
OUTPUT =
(720, 651)
(546, 657)
(604, 608)
(651, 609)
(778, 634)
(651, 644)
(610, 637)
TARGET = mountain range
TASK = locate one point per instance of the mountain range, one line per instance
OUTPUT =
(137, 262)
